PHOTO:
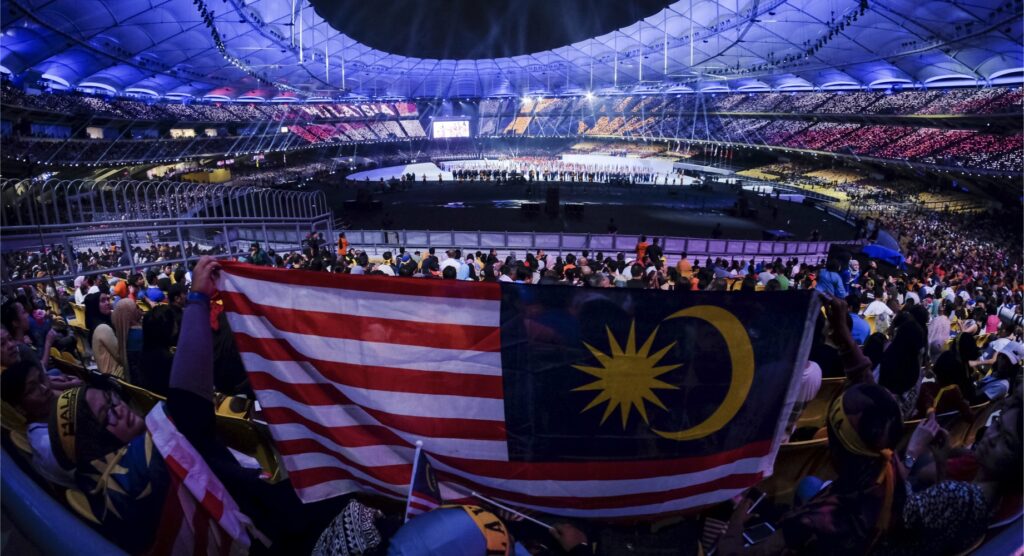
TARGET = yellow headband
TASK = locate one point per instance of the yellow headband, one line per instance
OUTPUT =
(65, 425)
(853, 443)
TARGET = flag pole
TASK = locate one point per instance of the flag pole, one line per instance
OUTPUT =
(508, 509)
(412, 478)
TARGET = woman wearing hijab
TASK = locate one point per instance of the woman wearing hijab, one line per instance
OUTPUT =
(899, 370)
(110, 450)
(105, 348)
(866, 499)
(126, 318)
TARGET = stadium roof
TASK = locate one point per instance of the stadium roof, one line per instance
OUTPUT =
(283, 49)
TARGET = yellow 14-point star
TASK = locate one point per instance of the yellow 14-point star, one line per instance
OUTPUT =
(627, 376)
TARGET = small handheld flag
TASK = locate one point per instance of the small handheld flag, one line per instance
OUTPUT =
(424, 492)
(512, 510)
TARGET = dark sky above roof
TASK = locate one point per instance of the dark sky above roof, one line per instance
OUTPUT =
(475, 29)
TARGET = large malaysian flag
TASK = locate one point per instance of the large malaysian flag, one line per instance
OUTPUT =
(570, 401)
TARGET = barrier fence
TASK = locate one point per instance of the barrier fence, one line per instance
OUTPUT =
(375, 242)
(40, 218)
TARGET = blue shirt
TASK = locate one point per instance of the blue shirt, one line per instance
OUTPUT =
(831, 283)
(860, 330)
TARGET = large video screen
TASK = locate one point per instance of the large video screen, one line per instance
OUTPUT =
(451, 128)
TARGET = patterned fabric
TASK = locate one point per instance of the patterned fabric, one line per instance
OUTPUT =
(353, 532)
(126, 491)
(947, 518)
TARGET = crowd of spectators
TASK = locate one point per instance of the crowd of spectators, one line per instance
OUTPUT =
(96, 256)
(288, 126)
(941, 338)
(73, 103)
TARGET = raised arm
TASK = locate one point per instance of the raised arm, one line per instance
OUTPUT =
(856, 366)
(192, 369)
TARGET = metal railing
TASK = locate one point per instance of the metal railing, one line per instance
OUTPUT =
(376, 242)
(32, 204)
(43, 218)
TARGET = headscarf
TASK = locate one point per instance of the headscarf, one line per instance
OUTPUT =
(125, 315)
(124, 483)
(864, 426)
(353, 532)
(900, 366)
(76, 437)
(93, 316)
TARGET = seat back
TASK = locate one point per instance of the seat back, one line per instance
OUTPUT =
(67, 363)
(79, 320)
(816, 410)
(795, 461)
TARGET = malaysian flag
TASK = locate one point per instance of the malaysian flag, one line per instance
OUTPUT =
(424, 490)
(200, 516)
(569, 401)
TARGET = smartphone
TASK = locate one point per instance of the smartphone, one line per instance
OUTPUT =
(758, 533)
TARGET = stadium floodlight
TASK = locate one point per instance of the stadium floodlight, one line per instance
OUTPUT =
(590, 95)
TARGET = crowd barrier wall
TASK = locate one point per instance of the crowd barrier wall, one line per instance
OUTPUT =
(378, 241)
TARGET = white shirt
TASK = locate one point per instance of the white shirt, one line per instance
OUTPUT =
(876, 308)
(505, 278)
(43, 459)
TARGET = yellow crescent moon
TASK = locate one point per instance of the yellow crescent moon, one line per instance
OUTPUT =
(741, 355)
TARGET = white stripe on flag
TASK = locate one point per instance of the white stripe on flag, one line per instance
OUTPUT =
(442, 310)
(395, 403)
(353, 416)
(378, 354)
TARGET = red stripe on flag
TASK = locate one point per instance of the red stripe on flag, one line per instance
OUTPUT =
(176, 467)
(370, 329)
(358, 436)
(605, 502)
(379, 284)
(305, 478)
(371, 377)
(420, 508)
(391, 474)
(171, 520)
(602, 470)
(213, 505)
(201, 525)
(432, 427)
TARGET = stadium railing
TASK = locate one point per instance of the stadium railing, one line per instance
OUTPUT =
(42, 218)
